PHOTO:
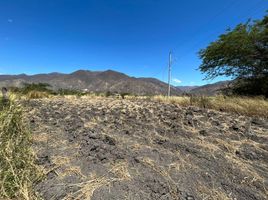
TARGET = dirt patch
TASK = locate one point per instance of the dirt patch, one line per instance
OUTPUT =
(137, 149)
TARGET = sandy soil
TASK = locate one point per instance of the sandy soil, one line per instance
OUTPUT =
(136, 149)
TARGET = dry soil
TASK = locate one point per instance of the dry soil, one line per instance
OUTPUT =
(106, 148)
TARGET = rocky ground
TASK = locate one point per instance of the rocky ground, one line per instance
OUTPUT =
(104, 148)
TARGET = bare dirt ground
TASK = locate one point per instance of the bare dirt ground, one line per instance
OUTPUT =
(136, 149)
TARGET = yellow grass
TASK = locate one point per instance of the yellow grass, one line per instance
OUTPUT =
(18, 171)
(37, 95)
(241, 105)
(249, 106)
(87, 188)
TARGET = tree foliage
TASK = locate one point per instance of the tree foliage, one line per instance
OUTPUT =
(42, 87)
(241, 53)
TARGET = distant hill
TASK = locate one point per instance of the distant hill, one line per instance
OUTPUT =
(96, 81)
(210, 89)
(186, 88)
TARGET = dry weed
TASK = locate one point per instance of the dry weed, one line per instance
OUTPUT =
(18, 171)
(94, 182)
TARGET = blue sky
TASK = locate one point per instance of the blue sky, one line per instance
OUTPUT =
(130, 36)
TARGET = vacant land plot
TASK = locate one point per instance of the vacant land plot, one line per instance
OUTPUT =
(142, 149)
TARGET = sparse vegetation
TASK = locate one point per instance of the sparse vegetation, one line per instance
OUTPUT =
(18, 171)
(249, 106)
(33, 90)
(42, 90)
(40, 87)
(69, 92)
(4, 103)
(37, 95)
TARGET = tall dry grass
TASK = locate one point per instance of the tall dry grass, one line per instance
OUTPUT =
(37, 95)
(18, 171)
(249, 106)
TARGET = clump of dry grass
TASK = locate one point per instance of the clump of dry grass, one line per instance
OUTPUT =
(87, 188)
(242, 105)
(249, 106)
(17, 169)
(182, 100)
(37, 95)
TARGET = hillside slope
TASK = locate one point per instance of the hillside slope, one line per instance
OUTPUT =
(101, 81)
(186, 88)
(210, 89)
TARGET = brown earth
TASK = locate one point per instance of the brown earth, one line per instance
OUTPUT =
(106, 148)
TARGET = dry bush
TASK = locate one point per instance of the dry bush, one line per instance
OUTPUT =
(17, 169)
(37, 95)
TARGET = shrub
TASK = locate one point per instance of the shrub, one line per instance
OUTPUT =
(40, 87)
(37, 95)
(69, 92)
(108, 93)
(123, 95)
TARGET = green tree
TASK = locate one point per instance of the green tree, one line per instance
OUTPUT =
(241, 53)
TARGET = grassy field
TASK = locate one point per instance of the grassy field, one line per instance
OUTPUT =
(248, 106)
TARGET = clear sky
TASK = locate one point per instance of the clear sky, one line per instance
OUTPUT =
(130, 36)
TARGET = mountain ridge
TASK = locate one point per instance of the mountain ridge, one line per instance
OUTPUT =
(109, 80)
(211, 89)
(95, 81)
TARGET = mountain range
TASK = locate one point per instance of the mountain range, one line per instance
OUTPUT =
(103, 81)
(95, 81)
(211, 89)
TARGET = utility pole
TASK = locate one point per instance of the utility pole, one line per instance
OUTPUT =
(169, 72)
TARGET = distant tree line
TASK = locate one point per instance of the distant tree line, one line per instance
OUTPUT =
(47, 88)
